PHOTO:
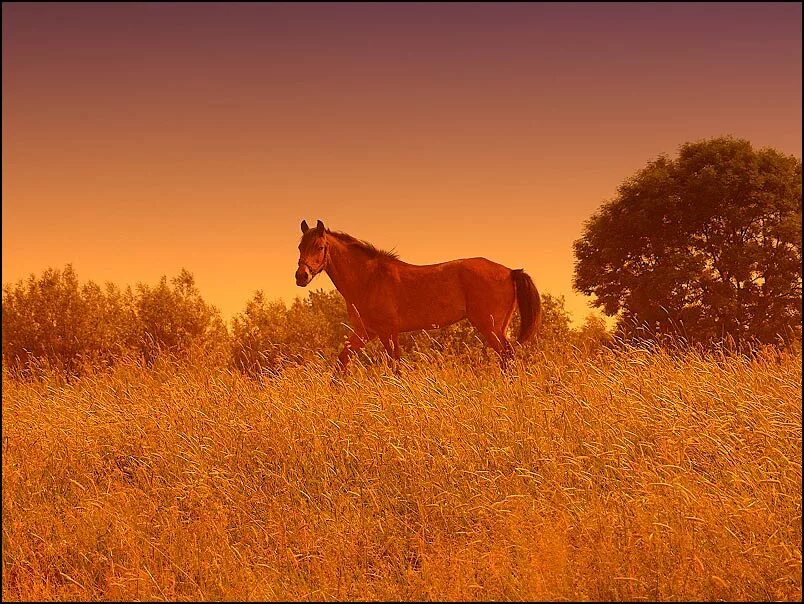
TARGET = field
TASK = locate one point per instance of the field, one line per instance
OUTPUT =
(621, 475)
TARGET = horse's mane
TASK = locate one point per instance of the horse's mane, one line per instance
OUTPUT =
(367, 247)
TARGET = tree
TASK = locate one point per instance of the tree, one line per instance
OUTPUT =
(707, 245)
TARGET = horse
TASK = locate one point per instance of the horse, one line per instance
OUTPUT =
(386, 296)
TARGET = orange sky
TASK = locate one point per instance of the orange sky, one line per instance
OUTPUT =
(142, 138)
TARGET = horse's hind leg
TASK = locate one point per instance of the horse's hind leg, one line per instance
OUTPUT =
(491, 314)
(503, 348)
(508, 354)
(494, 336)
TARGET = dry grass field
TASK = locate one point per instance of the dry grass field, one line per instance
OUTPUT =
(611, 476)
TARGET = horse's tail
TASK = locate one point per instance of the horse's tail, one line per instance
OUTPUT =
(530, 304)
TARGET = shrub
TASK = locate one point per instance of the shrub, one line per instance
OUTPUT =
(268, 335)
(52, 321)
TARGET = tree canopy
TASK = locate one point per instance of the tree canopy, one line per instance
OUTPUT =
(707, 245)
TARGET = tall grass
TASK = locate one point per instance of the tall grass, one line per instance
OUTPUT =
(627, 474)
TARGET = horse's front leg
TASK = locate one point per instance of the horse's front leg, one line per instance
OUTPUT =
(391, 344)
(397, 351)
(355, 342)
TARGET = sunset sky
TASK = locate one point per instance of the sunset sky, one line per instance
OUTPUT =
(142, 138)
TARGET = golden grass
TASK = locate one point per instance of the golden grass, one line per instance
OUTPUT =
(621, 476)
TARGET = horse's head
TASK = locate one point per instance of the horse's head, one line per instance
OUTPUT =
(313, 253)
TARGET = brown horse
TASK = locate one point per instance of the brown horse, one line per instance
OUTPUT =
(386, 296)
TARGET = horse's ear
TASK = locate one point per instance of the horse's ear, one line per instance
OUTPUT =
(320, 227)
(304, 226)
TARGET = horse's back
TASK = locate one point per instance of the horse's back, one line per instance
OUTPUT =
(453, 290)
(470, 267)
(484, 270)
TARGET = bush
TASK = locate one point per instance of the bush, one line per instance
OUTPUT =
(55, 322)
(176, 319)
(52, 321)
(268, 335)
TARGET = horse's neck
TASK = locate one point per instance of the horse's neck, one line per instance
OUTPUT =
(349, 270)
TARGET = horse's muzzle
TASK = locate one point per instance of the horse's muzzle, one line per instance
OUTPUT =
(303, 277)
